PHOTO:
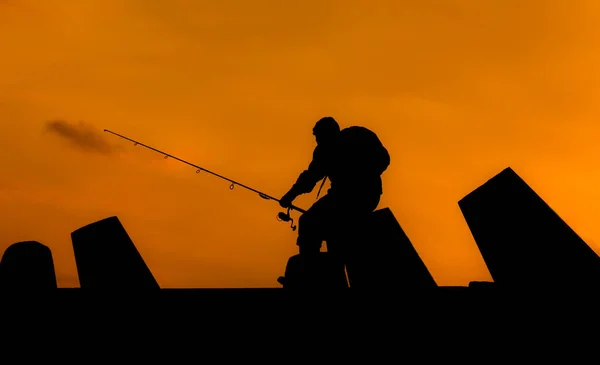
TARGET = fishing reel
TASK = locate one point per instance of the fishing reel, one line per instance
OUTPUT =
(286, 217)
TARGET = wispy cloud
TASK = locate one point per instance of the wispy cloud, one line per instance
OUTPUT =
(80, 135)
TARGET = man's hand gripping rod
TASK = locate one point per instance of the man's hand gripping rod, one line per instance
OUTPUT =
(285, 217)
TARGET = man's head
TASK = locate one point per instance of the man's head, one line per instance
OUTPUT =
(326, 130)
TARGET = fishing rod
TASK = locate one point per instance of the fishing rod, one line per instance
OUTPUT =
(285, 217)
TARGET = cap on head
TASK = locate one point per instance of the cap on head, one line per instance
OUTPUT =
(326, 126)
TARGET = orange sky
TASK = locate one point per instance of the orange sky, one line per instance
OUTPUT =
(457, 90)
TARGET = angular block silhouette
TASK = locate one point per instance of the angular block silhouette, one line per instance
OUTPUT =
(27, 265)
(106, 258)
(383, 257)
(324, 272)
(522, 240)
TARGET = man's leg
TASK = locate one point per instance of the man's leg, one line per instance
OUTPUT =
(312, 224)
(320, 269)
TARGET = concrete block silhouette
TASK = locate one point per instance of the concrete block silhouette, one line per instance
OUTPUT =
(522, 240)
(383, 257)
(106, 258)
(27, 265)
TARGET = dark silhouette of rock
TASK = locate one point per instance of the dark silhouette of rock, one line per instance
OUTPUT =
(107, 258)
(383, 257)
(522, 240)
(27, 265)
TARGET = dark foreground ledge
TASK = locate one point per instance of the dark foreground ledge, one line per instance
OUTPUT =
(265, 306)
(249, 292)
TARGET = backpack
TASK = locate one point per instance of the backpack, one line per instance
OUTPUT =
(363, 150)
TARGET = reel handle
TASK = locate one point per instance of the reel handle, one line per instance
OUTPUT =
(285, 217)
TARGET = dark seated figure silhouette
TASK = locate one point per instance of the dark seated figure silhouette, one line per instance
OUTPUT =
(353, 159)
(106, 258)
(27, 265)
(377, 254)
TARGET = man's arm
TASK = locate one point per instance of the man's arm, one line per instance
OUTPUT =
(308, 178)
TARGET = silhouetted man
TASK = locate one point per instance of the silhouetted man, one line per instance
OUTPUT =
(353, 159)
